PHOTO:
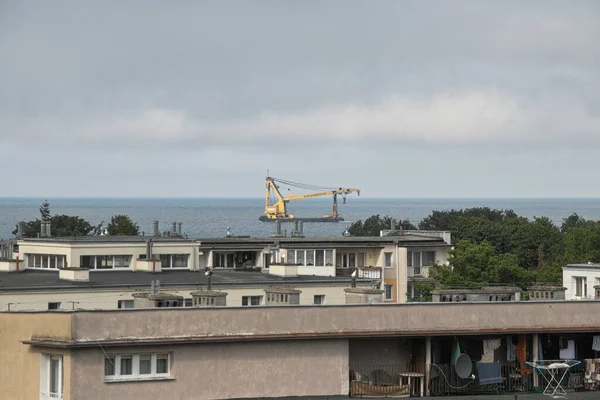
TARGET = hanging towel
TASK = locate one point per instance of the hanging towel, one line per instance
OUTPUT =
(455, 351)
(569, 352)
(511, 349)
(596, 343)
(489, 346)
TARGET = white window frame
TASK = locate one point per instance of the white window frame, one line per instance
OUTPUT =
(388, 256)
(249, 301)
(580, 286)
(171, 263)
(321, 298)
(347, 254)
(45, 365)
(411, 258)
(292, 254)
(59, 261)
(95, 261)
(135, 368)
(385, 292)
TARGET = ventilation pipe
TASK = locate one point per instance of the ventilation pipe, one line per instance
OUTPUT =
(156, 231)
(20, 229)
(48, 228)
(278, 228)
(301, 227)
(296, 228)
(149, 249)
(393, 225)
(179, 228)
(174, 229)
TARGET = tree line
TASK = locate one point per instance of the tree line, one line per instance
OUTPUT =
(68, 225)
(494, 246)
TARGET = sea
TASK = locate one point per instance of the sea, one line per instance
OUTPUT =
(212, 217)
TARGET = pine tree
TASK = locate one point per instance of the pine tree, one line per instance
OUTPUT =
(45, 210)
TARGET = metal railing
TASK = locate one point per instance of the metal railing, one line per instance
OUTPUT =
(387, 380)
(443, 380)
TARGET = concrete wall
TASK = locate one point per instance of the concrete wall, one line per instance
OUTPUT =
(226, 370)
(19, 363)
(411, 319)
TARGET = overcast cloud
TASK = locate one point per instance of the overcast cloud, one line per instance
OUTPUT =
(400, 98)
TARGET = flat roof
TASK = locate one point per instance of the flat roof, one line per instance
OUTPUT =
(583, 265)
(414, 240)
(111, 279)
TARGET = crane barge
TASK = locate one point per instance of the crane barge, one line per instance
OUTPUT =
(276, 203)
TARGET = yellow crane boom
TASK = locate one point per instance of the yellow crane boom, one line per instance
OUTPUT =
(276, 203)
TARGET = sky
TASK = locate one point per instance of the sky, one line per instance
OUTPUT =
(409, 99)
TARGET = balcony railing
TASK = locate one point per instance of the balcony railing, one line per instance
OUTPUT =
(369, 272)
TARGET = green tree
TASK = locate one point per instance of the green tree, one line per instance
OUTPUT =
(582, 243)
(571, 221)
(66, 225)
(373, 225)
(122, 225)
(45, 210)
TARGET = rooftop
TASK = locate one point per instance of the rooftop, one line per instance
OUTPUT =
(589, 265)
(47, 280)
(351, 240)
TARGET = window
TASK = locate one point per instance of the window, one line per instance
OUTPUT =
(319, 299)
(387, 260)
(46, 261)
(188, 302)
(54, 306)
(162, 363)
(136, 366)
(51, 376)
(126, 365)
(417, 271)
(318, 258)
(125, 304)
(180, 260)
(420, 258)
(427, 258)
(389, 292)
(223, 260)
(105, 262)
(580, 286)
(350, 260)
(146, 364)
(310, 257)
(251, 300)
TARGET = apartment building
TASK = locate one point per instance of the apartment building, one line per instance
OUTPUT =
(39, 273)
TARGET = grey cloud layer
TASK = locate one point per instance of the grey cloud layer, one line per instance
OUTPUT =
(203, 75)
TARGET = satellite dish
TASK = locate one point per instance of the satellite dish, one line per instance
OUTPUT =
(463, 366)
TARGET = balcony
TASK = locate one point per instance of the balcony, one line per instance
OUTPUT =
(369, 272)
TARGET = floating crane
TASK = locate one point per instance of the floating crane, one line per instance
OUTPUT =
(276, 203)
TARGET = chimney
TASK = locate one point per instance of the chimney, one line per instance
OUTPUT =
(174, 229)
(48, 228)
(278, 228)
(296, 228)
(149, 249)
(156, 231)
(393, 225)
(179, 228)
(20, 229)
(301, 228)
